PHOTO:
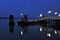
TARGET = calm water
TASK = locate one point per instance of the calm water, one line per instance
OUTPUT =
(26, 32)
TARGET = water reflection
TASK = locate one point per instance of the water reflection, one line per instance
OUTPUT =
(40, 29)
(11, 27)
(56, 32)
(49, 35)
(11, 23)
(23, 30)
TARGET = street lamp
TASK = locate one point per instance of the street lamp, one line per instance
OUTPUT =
(49, 13)
(21, 14)
(56, 13)
(48, 17)
(41, 15)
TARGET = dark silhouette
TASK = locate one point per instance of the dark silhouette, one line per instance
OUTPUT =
(25, 18)
(11, 27)
(11, 20)
(11, 23)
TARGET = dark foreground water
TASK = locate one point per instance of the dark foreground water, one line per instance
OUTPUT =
(26, 32)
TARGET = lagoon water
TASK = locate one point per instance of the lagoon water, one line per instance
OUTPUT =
(26, 32)
(32, 8)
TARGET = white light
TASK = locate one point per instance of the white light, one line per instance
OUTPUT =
(21, 32)
(41, 15)
(40, 29)
(56, 13)
(59, 15)
(55, 32)
(21, 14)
(49, 35)
(49, 11)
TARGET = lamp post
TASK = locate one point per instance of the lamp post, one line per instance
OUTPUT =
(21, 14)
(56, 13)
(49, 12)
(40, 16)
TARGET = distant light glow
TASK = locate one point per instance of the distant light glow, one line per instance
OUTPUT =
(56, 13)
(21, 14)
(41, 15)
(55, 32)
(21, 32)
(49, 11)
(49, 35)
(41, 29)
(59, 15)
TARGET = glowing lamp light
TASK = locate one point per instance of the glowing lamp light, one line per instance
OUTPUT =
(41, 15)
(21, 14)
(56, 13)
(49, 35)
(49, 11)
(59, 15)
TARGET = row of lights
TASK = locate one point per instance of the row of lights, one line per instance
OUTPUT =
(48, 34)
(49, 12)
(41, 15)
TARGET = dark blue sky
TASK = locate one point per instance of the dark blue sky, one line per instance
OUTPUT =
(30, 7)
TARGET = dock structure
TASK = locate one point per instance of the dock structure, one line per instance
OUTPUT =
(53, 22)
(11, 20)
(11, 23)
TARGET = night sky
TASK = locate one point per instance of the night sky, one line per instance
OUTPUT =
(30, 7)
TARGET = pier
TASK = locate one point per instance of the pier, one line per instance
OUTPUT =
(52, 22)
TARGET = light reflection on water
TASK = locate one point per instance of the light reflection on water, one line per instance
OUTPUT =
(26, 32)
